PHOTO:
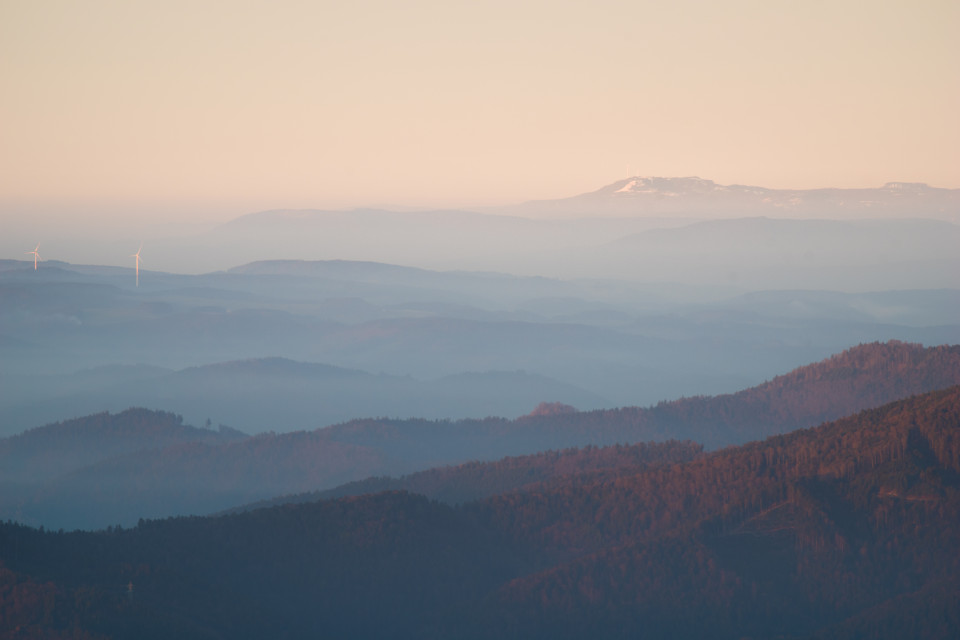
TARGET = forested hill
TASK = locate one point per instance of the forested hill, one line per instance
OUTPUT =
(476, 480)
(847, 530)
(864, 376)
(46, 452)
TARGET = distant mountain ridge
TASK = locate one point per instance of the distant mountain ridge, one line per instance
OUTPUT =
(697, 197)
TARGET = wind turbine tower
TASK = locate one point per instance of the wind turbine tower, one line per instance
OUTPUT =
(36, 256)
(137, 256)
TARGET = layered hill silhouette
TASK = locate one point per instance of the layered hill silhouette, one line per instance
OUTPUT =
(199, 476)
(850, 529)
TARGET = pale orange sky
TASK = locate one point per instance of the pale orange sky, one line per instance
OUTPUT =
(222, 108)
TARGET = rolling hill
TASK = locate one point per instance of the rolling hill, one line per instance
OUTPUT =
(44, 453)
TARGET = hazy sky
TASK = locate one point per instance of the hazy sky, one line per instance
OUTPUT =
(222, 108)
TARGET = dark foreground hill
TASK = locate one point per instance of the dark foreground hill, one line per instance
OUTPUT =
(847, 530)
(199, 477)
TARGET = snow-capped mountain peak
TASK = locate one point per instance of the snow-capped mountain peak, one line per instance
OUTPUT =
(694, 197)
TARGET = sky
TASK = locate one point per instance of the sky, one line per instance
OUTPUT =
(207, 110)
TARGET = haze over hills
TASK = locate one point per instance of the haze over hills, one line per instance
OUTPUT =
(200, 476)
(763, 253)
(845, 530)
(569, 237)
(860, 254)
(556, 238)
(612, 310)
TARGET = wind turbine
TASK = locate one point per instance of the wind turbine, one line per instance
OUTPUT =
(36, 256)
(137, 256)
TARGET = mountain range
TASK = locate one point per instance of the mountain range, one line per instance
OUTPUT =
(863, 253)
(556, 238)
(644, 196)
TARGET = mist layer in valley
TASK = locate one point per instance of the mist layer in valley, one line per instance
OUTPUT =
(288, 345)
(646, 290)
